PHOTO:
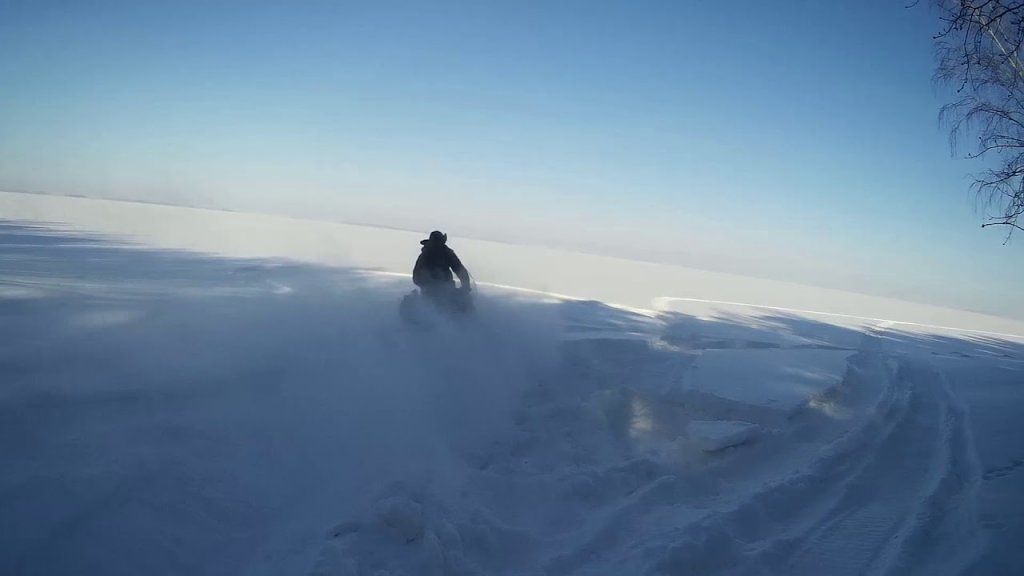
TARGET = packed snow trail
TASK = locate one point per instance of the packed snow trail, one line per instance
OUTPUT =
(168, 412)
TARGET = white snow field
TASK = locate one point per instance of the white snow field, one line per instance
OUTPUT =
(187, 391)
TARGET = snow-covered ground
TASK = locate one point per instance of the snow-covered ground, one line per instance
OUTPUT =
(198, 392)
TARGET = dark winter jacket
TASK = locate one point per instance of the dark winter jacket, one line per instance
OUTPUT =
(435, 266)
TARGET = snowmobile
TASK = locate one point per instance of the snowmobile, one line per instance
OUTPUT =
(423, 307)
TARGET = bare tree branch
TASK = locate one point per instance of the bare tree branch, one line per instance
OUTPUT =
(979, 52)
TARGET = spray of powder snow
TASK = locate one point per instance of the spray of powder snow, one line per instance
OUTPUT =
(178, 412)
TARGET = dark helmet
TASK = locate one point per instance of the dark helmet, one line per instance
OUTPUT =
(436, 237)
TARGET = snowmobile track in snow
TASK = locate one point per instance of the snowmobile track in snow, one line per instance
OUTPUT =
(881, 488)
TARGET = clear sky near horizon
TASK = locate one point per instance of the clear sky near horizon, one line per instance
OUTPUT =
(790, 140)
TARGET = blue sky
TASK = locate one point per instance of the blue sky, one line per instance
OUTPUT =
(794, 140)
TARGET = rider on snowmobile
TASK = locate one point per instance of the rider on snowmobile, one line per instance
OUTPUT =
(434, 267)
